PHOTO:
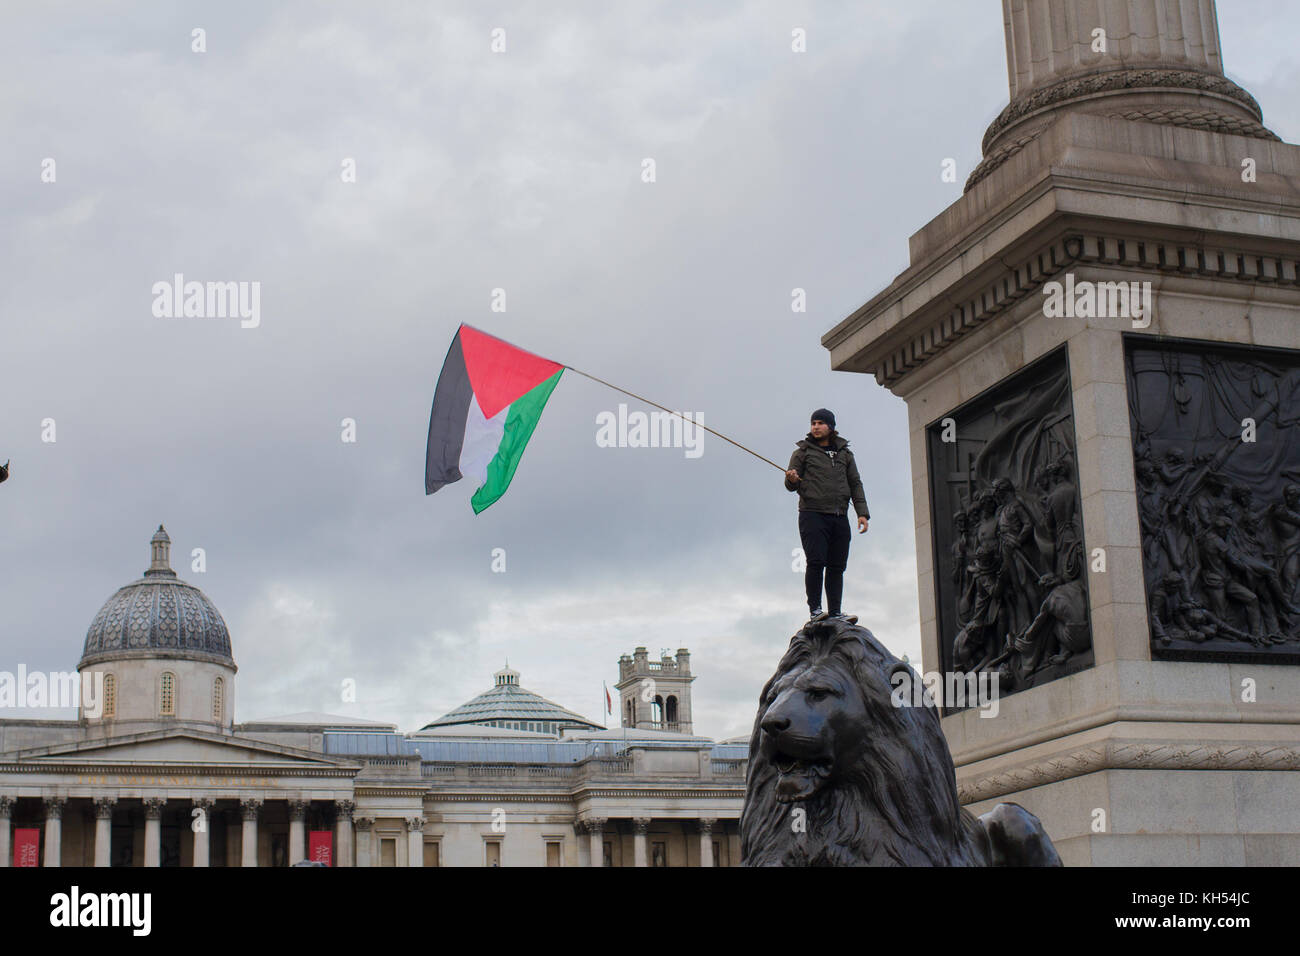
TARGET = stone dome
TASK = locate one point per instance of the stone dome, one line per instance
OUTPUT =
(158, 616)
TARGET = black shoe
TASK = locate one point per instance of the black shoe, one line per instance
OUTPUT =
(841, 616)
(817, 614)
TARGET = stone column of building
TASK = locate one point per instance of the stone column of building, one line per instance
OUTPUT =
(596, 828)
(234, 836)
(706, 842)
(104, 830)
(343, 810)
(364, 825)
(250, 808)
(584, 847)
(1047, 42)
(6, 809)
(415, 841)
(54, 830)
(640, 854)
(297, 831)
(202, 836)
(153, 808)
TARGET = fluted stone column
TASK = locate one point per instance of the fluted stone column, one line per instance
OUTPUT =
(202, 835)
(54, 830)
(640, 854)
(343, 810)
(415, 841)
(365, 840)
(584, 846)
(1157, 60)
(706, 842)
(153, 808)
(297, 831)
(104, 830)
(1048, 40)
(6, 812)
(596, 829)
(250, 808)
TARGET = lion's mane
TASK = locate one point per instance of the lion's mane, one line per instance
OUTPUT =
(895, 804)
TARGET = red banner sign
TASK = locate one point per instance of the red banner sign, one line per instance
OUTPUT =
(320, 847)
(27, 847)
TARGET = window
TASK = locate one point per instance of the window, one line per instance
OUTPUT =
(110, 696)
(657, 713)
(218, 699)
(493, 848)
(553, 853)
(388, 853)
(671, 712)
(167, 695)
(659, 854)
(431, 854)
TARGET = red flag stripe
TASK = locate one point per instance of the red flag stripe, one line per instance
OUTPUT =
(499, 372)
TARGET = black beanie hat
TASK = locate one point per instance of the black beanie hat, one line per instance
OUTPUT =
(824, 415)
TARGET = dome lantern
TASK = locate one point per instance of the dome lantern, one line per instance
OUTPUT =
(160, 564)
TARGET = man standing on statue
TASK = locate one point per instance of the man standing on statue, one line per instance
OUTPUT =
(823, 472)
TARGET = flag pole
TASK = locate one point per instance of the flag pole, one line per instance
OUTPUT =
(641, 398)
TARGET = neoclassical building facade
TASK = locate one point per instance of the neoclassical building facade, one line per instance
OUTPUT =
(158, 773)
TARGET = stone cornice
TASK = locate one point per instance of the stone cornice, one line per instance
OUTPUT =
(1128, 755)
(370, 790)
(654, 792)
(156, 654)
(1207, 260)
(469, 796)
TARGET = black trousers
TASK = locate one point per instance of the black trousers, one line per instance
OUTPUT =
(825, 540)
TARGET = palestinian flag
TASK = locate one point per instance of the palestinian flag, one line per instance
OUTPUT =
(489, 398)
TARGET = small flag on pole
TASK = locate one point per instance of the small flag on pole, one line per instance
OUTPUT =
(609, 701)
(489, 398)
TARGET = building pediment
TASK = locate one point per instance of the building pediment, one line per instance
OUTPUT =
(188, 749)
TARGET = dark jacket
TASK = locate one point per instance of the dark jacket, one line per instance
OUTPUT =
(827, 481)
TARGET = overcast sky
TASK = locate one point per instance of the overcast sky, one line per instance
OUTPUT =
(475, 170)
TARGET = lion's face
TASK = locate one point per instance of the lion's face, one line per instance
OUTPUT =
(814, 722)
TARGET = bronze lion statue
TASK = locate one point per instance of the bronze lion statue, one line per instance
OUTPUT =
(841, 776)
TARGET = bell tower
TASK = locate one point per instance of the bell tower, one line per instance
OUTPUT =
(655, 695)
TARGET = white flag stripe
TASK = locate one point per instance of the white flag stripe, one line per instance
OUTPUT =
(482, 439)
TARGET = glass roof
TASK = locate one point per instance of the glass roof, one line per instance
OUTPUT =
(508, 701)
